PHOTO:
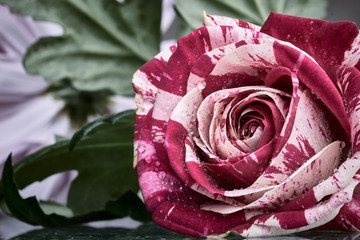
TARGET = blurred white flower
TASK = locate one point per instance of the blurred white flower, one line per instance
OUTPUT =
(30, 119)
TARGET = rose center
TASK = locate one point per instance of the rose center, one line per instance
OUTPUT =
(247, 127)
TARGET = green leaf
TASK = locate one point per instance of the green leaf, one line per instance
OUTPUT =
(59, 138)
(254, 11)
(80, 105)
(50, 214)
(129, 205)
(102, 156)
(50, 207)
(27, 210)
(104, 43)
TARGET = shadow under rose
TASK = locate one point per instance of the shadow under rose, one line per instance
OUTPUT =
(152, 231)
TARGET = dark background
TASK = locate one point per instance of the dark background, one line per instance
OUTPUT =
(344, 10)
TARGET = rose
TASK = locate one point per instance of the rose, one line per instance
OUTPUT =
(252, 130)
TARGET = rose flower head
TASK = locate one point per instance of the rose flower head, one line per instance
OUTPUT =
(253, 130)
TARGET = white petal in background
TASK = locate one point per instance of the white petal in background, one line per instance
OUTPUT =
(168, 24)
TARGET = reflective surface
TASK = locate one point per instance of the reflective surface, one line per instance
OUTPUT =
(152, 231)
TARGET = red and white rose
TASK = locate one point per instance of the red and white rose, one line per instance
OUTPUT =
(252, 130)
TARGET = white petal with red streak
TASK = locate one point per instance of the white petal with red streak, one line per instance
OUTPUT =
(247, 59)
(145, 90)
(318, 168)
(315, 216)
(352, 55)
(213, 20)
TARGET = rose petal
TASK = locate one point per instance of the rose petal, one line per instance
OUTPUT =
(295, 221)
(352, 55)
(213, 20)
(347, 80)
(307, 70)
(157, 181)
(146, 80)
(325, 41)
(339, 180)
(185, 216)
(348, 217)
(318, 168)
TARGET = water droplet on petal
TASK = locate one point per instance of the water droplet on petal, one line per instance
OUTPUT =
(161, 174)
(157, 163)
(141, 149)
(147, 103)
(148, 159)
(342, 144)
(201, 85)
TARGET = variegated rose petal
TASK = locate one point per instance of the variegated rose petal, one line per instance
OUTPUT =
(213, 20)
(326, 42)
(316, 169)
(280, 223)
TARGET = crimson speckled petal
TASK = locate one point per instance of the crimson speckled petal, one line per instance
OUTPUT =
(326, 42)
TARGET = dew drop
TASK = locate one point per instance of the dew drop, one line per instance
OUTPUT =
(201, 85)
(342, 144)
(147, 103)
(148, 159)
(161, 174)
(157, 163)
(141, 149)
